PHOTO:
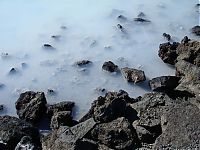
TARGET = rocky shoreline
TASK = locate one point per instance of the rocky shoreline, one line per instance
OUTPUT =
(166, 118)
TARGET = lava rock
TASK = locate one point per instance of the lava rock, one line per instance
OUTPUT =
(65, 137)
(62, 118)
(62, 106)
(13, 71)
(164, 83)
(119, 26)
(185, 40)
(31, 106)
(48, 46)
(13, 129)
(167, 52)
(190, 77)
(109, 107)
(189, 52)
(196, 30)
(181, 128)
(83, 63)
(110, 67)
(118, 134)
(167, 36)
(150, 109)
(142, 20)
(133, 75)
(122, 18)
(26, 143)
(1, 107)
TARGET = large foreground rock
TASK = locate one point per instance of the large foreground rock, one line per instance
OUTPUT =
(66, 138)
(150, 109)
(109, 107)
(181, 128)
(13, 129)
(190, 77)
(31, 106)
(118, 134)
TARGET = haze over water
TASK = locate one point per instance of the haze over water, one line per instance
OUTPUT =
(91, 33)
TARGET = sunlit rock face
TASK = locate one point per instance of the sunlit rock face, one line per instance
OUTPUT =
(41, 41)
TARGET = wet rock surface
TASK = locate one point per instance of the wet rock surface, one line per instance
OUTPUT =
(110, 67)
(31, 106)
(1, 107)
(133, 75)
(26, 143)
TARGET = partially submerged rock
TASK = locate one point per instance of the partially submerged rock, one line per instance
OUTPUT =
(167, 36)
(83, 63)
(196, 30)
(167, 52)
(164, 83)
(48, 46)
(31, 106)
(1, 107)
(13, 129)
(141, 20)
(133, 75)
(110, 67)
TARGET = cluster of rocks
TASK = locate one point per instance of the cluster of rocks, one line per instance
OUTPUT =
(167, 118)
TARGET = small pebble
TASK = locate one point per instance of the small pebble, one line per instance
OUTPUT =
(167, 36)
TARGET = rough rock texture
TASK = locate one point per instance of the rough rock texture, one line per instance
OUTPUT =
(167, 52)
(31, 106)
(110, 107)
(26, 143)
(62, 106)
(189, 52)
(196, 30)
(83, 63)
(133, 75)
(118, 134)
(13, 129)
(190, 81)
(181, 128)
(164, 83)
(62, 118)
(66, 138)
(150, 109)
(110, 67)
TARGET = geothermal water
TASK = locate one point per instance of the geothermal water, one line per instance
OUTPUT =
(91, 33)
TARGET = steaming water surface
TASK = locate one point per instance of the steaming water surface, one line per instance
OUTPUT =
(91, 33)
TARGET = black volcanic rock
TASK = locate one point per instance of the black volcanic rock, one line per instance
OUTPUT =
(110, 67)
(167, 52)
(133, 75)
(31, 106)
(196, 30)
(13, 129)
